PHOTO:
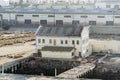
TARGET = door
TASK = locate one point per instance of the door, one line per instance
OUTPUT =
(54, 42)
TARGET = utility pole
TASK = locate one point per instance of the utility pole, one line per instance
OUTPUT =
(55, 72)
(2, 69)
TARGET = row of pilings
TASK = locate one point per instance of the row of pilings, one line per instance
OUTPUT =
(103, 72)
(47, 67)
(13, 67)
(87, 74)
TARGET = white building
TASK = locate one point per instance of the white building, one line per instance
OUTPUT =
(4, 3)
(104, 45)
(63, 42)
(105, 38)
(53, 2)
(108, 4)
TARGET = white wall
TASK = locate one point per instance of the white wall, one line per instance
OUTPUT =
(9, 16)
(74, 6)
(100, 5)
(5, 16)
(104, 45)
(44, 6)
(58, 6)
(91, 17)
(103, 4)
(68, 21)
(51, 54)
(85, 41)
(58, 41)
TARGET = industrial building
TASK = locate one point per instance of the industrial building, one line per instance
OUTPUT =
(108, 4)
(61, 12)
(49, 2)
(37, 16)
(105, 38)
(63, 42)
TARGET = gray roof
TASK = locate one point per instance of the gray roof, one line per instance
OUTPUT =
(105, 32)
(60, 31)
(57, 48)
(33, 10)
(115, 30)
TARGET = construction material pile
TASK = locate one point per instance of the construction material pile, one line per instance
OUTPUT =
(10, 38)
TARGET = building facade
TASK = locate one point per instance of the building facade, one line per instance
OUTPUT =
(105, 45)
(105, 39)
(63, 42)
(36, 16)
(108, 4)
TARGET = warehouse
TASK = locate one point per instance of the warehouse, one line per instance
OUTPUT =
(36, 16)
(105, 38)
(108, 4)
(63, 42)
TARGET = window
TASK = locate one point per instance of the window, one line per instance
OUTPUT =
(20, 15)
(109, 23)
(72, 53)
(66, 42)
(117, 16)
(43, 22)
(43, 40)
(51, 15)
(27, 21)
(35, 15)
(73, 42)
(116, 6)
(61, 41)
(59, 22)
(101, 16)
(75, 22)
(77, 41)
(50, 41)
(67, 16)
(108, 6)
(39, 40)
(84, 16)
(92, 22)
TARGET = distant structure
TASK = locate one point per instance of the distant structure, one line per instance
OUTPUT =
(0, 20)
(4, 3)
(49, 2)
(105, 39)
(51, 12)
(108, 4)
(63, 16)
(63, 42)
